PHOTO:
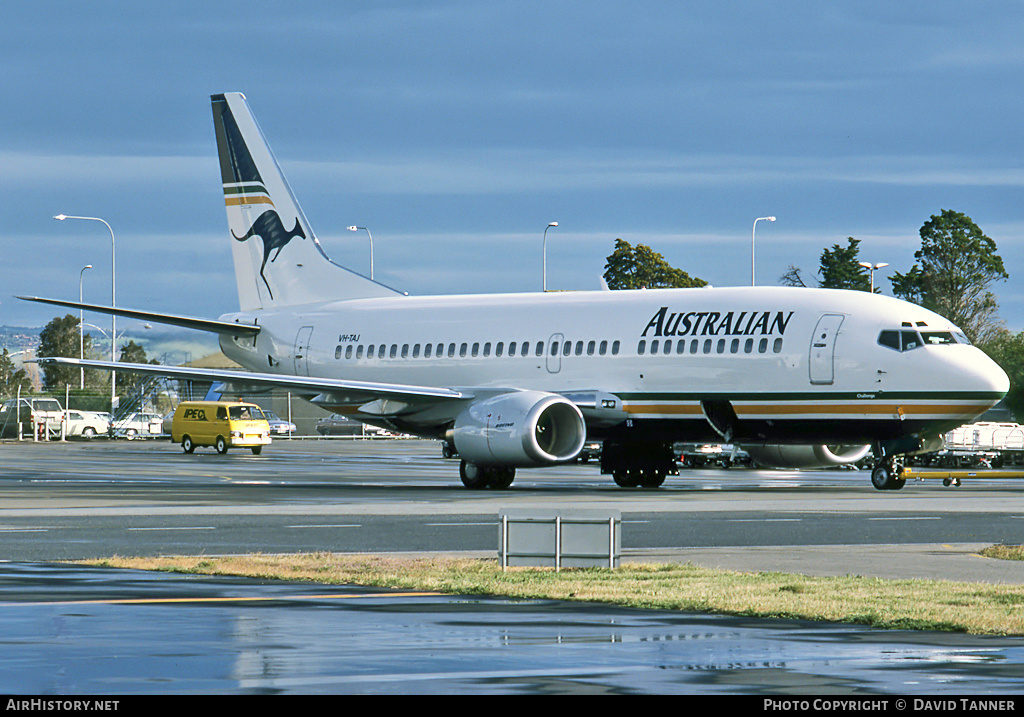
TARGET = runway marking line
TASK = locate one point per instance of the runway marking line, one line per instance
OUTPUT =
(177, 527)
(461, 525)
(182, 600)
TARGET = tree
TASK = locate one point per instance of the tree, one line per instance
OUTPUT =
(792, 277)
(60, 338)
(131, 352)
(11, 378)
(958, 266)
(839, 269)
(1007, 350)
(644, 268)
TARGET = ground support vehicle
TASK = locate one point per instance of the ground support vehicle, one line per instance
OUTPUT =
(221, 424)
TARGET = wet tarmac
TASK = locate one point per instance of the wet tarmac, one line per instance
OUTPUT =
(98, 631)
(72, 630)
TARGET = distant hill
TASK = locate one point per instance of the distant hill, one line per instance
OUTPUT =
(18, 338)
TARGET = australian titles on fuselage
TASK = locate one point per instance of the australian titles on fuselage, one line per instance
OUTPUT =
(714, 323)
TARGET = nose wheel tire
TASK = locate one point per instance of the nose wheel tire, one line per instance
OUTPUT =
(885, 476)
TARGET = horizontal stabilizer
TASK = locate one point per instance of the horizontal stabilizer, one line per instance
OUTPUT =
(188, 322)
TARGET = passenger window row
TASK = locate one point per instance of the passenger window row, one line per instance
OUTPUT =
(474, 350)
(708, 346)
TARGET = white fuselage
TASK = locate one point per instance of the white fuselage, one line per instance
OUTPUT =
(793, 364)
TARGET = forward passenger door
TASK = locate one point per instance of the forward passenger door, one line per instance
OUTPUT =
(823, 349)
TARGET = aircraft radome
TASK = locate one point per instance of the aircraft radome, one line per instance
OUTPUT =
(799, 377)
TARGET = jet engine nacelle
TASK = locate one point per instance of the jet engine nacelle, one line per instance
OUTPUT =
(777, 456)
(524, 428)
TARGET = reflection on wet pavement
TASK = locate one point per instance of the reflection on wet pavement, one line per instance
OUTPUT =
(75, 630)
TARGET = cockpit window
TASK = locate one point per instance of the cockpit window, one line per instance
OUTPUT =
(890, 339)
(903, 340)
(907, 339)
(910, 339)
(934, 338)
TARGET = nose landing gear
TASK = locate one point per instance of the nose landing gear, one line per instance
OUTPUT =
(886, 475)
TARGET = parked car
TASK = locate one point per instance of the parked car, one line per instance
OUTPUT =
(278, 426)
(168, 421)
(31, 412)
(338, 425)
(139, 425)
(87, 424)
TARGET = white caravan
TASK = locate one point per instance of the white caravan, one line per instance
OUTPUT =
(798, 377)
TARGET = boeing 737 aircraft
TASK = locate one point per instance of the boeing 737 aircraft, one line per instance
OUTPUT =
(799, 377)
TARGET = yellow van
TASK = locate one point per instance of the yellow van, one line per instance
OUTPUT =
(221, 424)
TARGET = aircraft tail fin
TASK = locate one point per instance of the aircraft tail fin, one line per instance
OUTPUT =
(278, 260)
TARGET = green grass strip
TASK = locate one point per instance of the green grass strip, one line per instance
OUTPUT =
(976, 608)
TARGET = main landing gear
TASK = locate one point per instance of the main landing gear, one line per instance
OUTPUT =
(638, 465)
(886, 474)
(476, 477)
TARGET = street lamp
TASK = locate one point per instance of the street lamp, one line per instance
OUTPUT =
(871, 268)
(113, 298)
(752, 233)
(355, 229)
(81, 336)
(544, 247)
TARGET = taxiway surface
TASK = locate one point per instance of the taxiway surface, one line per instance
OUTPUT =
(86, 500)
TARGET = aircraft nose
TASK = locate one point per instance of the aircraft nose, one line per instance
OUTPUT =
(986, 375)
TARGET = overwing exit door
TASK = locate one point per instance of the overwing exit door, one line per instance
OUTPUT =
(553, 349)
(823, 348)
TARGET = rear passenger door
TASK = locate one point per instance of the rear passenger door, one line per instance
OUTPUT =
(302, 341)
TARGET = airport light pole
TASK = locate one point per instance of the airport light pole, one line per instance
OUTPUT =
(81, 333)
(113, 299)
(544, 258)
(753, 232)
(355, 229)
(871, 269)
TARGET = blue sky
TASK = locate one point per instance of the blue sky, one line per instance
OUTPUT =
(456, 131)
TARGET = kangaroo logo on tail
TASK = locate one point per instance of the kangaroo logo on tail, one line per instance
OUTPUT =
(259, 202)
(269, 227)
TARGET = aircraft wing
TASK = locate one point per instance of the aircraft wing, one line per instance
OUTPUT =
(188, 322)
(339, 390)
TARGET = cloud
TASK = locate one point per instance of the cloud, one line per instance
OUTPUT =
(24, 169)
(517, 171)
